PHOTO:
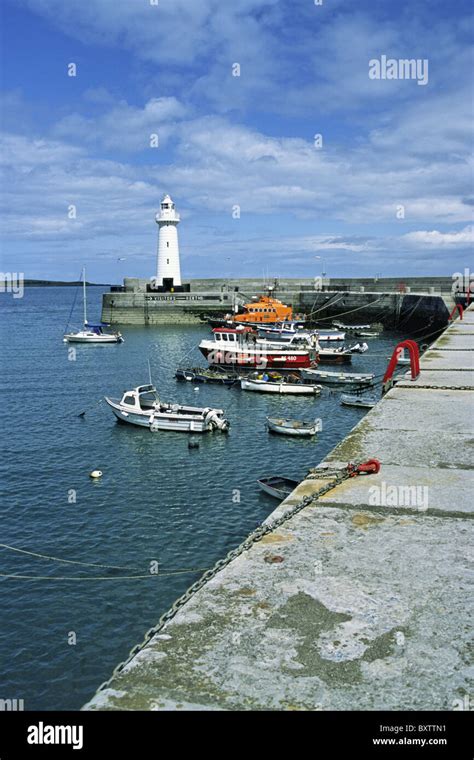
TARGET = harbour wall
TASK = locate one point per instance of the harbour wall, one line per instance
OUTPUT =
(356, 601)
(424, 302)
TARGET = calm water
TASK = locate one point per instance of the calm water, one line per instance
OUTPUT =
(158, 500)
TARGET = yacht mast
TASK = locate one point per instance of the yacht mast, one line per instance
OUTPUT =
(84, 294)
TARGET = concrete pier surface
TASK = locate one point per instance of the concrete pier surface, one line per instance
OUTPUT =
(360, 601)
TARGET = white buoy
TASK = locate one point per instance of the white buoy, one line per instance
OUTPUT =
(196, 388)
(95, 474)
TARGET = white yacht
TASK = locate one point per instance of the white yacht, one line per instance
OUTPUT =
(91, 333)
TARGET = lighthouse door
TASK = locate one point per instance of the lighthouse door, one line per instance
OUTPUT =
(167, 283)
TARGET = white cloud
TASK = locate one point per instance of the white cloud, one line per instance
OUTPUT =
(462, 238)
(123, 127)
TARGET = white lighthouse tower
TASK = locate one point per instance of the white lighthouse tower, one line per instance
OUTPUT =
(168, 271)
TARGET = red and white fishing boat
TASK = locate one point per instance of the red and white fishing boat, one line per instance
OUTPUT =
(240, 347)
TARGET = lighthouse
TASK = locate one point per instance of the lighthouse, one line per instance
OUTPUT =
(168, 273)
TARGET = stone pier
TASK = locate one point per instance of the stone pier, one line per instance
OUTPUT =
(360, 601)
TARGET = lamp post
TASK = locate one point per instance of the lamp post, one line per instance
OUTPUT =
(323, 273)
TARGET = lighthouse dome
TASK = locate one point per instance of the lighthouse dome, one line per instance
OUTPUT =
(167, 203)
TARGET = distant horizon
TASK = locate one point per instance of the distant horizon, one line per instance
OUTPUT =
(191, 279)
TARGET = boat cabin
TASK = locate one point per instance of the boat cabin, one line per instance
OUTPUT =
(232, 335)
(263, 310)
(140, 399)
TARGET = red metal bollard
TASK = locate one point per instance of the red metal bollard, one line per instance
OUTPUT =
(459, 308)
(414, 352)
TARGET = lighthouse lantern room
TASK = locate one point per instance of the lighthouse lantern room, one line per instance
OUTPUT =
(168, 272)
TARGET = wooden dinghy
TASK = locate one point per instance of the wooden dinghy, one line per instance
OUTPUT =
(277, 486)
(338, 378)
(273, 383)
(200, 375)
(349, 399)
(294, 427)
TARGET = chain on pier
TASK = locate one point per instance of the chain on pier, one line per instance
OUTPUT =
(337, 477)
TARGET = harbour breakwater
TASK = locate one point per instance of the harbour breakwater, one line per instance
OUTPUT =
(411, 303)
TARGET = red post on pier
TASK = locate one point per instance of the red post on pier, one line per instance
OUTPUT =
(459, 308)
(414, 352)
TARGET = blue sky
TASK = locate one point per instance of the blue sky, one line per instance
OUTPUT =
(389, 192)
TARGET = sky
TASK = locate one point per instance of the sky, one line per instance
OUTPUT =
(284, 154)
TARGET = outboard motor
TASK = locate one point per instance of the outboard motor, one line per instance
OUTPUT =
(214, 422)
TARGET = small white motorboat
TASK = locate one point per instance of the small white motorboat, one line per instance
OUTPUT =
(337, 378)
(350, 399)
(285, 334)
(342, 326)
(273, 383)
(142, 406)
(277, 486)
(402, 357)
(360, 348)
(294, 427)
(281, 329)
(91, 333)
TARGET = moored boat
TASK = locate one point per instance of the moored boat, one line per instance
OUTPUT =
(264, 309)
(352, 399)
(272, 383)
(310, 342)
(277, 486)
(294, 427)
(240, 347)
(361, 331)
(91, 333)
(206, 375)
(337, 378)
(359, 348)
(340, 355)
(277, 333)
(142, 406)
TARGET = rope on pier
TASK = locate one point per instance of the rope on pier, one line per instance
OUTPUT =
(338, 476)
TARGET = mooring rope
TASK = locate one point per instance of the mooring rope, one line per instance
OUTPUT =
(49, 557)
(166, 574)
(60, 559)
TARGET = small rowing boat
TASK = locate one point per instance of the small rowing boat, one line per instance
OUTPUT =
(273, 383)
(294, 427)
(337, 378)
(350, 399)
(200, 375)
(277, 486)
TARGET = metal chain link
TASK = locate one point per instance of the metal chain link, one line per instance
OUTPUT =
(436, 387)
(338, 477)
